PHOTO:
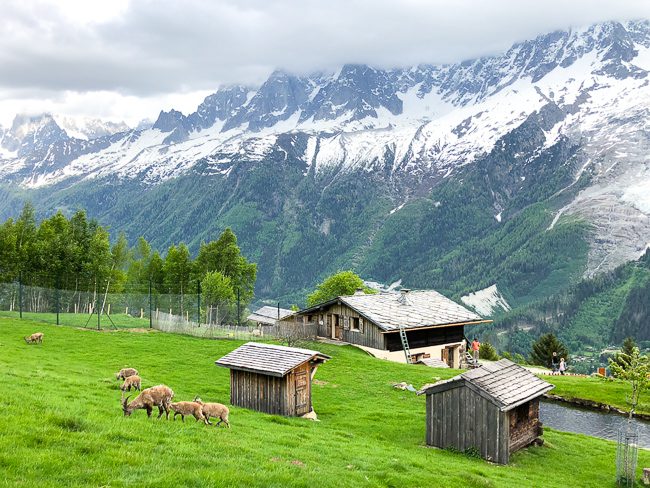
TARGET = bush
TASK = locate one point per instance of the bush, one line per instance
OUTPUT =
(487, 351)
(520, 359)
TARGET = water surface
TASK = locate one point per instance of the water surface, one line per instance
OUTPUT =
(561, 416)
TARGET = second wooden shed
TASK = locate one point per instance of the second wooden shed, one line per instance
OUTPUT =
(272, 379)
(493, 409)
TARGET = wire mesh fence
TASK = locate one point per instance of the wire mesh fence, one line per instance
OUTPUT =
(141, 306)
(100, 307)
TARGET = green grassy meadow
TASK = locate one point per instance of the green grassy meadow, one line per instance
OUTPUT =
(609, 391)
(120, 320)
(62, 424)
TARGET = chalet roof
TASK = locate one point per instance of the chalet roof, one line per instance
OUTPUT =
(268, 359)
(268, 315)
(503, 382)
(419, 308)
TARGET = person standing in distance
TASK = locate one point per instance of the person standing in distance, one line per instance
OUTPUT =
(555, 363)
(476, 345)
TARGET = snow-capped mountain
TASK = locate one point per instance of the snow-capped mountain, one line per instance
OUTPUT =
(584, 89)
(87, 128)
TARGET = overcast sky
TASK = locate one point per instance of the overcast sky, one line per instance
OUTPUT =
(128, 59)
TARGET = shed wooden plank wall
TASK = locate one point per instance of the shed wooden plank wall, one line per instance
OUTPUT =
(459, 418)
(258, 392)
(269, 394)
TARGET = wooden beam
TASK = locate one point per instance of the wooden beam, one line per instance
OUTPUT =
(476, 322)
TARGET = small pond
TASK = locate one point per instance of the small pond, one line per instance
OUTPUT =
(562, 416)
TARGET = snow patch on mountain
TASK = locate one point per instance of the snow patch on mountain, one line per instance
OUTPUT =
(87, 128)
(486, 301)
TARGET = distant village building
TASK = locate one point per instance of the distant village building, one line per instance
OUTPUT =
(433, 325)
(268, 315)
(272, 379)
(493, 409)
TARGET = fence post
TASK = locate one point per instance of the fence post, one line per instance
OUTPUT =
(99, 326)
(238, 310)
(150, 315)
(198, 302)
(20, 293)
(58, 298)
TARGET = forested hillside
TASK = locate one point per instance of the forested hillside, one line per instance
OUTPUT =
(589, 316)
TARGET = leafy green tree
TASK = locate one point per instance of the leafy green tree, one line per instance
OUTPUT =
(544, 347)
(177, 271)
(635, 369)
(218, 294)
(25, 238)
(339, 284)
(224, 255)
(138, 269)
(626, 351)
(119, 262)
(487, 351)
(53, 250)
(99, 259)
(155, 272)
(8, 255)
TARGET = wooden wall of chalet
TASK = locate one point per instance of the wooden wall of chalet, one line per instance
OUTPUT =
(462, 419)
(289, 395)
(368, 335)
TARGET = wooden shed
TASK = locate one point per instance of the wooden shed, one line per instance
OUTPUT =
(272, 379)
(493, 409)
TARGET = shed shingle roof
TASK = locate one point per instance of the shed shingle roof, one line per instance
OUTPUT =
(422, 308)
(268, 315)
(504, 383)
(268, 359)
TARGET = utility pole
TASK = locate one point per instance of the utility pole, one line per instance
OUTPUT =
(58, 297)
(150, 314)
(20, 293)
(99, 312)
(238, 310)
(198, 302)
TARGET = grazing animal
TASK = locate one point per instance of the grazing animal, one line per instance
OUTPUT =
(157, 396)
(216, 410)
(131, 381)
(124, 373)
(189, 408)
(34, 338)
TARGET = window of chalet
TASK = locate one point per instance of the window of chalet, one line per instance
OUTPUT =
(354, 323)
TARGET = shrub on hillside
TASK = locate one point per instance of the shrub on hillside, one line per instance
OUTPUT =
(487, 351)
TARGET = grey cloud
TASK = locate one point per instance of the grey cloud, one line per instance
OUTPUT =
(166, 46)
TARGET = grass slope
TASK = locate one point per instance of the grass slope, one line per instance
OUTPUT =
(610, 391)
(82, 320)
(61, 423)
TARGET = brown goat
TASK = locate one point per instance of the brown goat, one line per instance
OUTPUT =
(131, 381)
(157, 396)
(34, 338)
(188, 408)
(216, 410)
(124, 373)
